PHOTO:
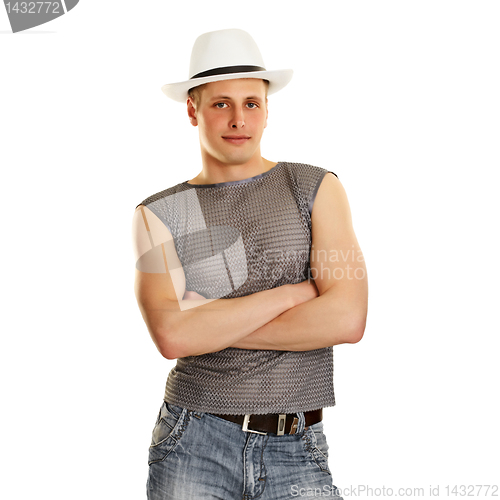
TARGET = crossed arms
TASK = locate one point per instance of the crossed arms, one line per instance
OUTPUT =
(327, 310)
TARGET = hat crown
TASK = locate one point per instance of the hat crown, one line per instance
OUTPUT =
(223, 48)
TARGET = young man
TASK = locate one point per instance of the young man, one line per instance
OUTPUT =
(248, 274)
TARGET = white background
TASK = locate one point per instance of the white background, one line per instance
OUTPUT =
(399, 98)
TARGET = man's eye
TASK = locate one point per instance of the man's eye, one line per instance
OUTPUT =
(252, 105)
(220, 105)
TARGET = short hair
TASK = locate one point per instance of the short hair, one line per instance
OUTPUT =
(195, 92)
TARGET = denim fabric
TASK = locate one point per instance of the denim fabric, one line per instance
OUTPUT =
(196, 455)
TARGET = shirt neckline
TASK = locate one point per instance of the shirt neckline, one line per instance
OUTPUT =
(232, 183)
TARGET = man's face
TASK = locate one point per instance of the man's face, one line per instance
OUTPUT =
(231, 116)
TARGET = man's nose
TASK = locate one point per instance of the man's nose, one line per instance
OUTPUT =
(238, 120)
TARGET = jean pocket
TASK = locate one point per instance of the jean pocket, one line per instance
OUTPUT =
(316, 446)
(170, 425)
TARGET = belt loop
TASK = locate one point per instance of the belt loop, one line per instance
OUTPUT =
(302, 423)
(281, 424)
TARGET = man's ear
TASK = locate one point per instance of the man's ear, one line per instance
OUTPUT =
(192, 112)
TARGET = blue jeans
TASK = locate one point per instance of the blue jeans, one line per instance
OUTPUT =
(196, 455)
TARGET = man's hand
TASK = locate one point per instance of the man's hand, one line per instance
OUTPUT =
(189, 295)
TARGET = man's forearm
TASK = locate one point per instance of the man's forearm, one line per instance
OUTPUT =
(213, 325)
(330, 319)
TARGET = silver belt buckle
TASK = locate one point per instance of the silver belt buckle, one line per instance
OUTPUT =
(245, 428)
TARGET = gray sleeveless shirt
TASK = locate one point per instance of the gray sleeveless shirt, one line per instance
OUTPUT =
(234, 239)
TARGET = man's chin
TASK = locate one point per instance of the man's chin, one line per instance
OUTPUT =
(234, 160)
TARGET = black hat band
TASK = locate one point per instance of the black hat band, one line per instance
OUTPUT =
(227, 70)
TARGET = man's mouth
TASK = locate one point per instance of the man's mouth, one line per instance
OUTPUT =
(236, 139)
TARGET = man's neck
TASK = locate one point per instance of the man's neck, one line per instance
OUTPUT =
(215, 172)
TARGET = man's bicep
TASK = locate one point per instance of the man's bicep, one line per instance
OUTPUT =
(159, 274)
(336, 258)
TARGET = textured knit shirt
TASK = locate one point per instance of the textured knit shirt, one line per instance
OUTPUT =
(234, 239)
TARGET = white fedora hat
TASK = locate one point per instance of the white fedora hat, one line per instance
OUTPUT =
(226, 55)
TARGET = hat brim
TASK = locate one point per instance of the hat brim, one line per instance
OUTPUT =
(277, 80)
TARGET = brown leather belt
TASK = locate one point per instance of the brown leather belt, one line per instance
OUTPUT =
(275, 423)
